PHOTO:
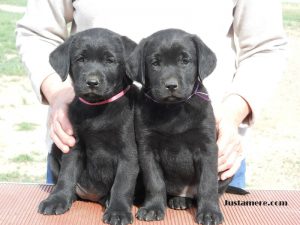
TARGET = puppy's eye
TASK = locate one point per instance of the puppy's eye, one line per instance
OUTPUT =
(155, 63)
(80, 58)
(185, 61)
(110, 60)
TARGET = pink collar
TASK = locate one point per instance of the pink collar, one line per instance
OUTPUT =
(114, 98)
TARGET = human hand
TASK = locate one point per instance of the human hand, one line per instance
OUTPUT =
(229, 115)
(230, 153)
(59, 96)
(61, 131)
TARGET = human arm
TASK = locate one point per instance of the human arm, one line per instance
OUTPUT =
(38, 33)
(261, 45)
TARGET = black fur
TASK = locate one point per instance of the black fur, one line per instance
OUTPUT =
(103, 165)
(175, 129)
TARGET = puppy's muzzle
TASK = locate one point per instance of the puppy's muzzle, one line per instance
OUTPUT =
(171, 84)
(92, 82)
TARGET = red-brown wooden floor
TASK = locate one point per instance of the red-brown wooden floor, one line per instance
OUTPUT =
(19, 202)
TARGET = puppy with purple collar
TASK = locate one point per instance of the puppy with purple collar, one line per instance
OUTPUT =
(175, 126)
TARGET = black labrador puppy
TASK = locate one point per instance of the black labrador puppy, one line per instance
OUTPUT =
(103, 165)
(175, 126)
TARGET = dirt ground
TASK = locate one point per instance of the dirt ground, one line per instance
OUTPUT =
(22, 132)
(273, 156)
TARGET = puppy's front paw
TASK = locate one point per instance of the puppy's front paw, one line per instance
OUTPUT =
(150, 213)
(180, 203)
(55, 205)
(117, 217)
(209, 217)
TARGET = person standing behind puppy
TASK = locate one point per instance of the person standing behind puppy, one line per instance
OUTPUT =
(246, 35)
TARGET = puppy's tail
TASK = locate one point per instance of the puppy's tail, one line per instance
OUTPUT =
(236, 190)
(223, 186)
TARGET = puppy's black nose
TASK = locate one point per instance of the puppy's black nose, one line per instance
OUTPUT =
(92, 82)
(171, 84)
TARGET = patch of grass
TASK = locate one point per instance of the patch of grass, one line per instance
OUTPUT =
(11, 67)
(9, 176)
(37, 154)
(23, 158)
(24, 101)
(26, 126)
(10, 63)
(16, 176)
(291, 15)
(14, 2)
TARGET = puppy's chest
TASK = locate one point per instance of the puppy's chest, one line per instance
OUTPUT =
(101, 128)
(171, 121)
(175, 150)
(96, 125)
(177, 162)
(175, 136)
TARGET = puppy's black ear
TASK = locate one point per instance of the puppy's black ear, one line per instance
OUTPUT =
(135, 65)
(60, 59)
(206, 58)
(129, 45)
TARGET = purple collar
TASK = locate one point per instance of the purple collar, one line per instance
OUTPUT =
(200, 94)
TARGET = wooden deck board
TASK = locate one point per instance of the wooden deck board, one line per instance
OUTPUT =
(19, 202)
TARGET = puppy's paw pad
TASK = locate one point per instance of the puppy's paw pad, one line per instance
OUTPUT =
(54, 206)
(180, 203)
(209, 217)
(150, 214)
(117, 217)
